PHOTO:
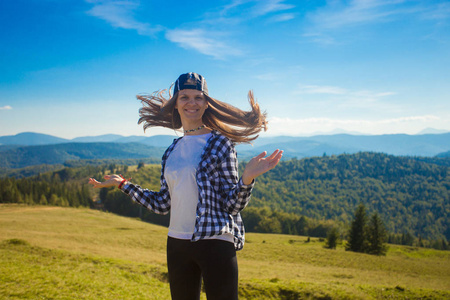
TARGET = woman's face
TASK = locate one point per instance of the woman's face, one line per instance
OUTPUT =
(191, 105)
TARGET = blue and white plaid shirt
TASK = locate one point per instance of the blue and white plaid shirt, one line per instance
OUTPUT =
(222, 195)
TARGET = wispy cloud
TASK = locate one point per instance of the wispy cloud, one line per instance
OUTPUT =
(316, 89)
(438, 12)
(120, 14)
(343, 99)
(208, 35)
(320, 38)
(203, 42)
(346, 13)
(270, 6)
(411, 124)
(267, 76)
(239, 11)
(227, 22)
(424, 118)
(282, 17)
(334, 90)
(340, 14)
(6, 107)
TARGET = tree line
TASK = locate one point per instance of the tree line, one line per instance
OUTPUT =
(302, 197)
(410, 194)
(363, 234)
(48, 189)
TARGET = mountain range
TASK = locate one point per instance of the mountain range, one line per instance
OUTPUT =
(34, 139)
(27, 149)
(395, 144)
(25, 156)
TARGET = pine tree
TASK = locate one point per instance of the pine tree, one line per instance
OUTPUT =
(43, 200)
(302, 226)
(356, 236)
(376, 236)
(332, 238)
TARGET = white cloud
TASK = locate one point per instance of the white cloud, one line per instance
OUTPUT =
(283, 17)
(343, 99)
(440, 11)
(320, 38)
(326, 21)
(120, 14)
(203, 42)
(245, 10)
(307, 126)
(270, 6)
(339, 13)
(316, 89)
(233, 4)
(334, 90)
(267, 77)
(6, 107)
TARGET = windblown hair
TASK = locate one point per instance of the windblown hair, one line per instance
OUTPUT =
(237, 125)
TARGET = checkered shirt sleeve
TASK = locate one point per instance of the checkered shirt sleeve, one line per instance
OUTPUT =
(158, 202)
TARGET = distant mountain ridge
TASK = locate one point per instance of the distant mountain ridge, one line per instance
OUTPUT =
(107, 138)
(17, 151)
(31, 139)
(21, 157)
(432, 131)
(395, 144)
(34, 139)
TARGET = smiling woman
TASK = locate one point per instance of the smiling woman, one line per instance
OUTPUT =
(237, 125)
(200, 185)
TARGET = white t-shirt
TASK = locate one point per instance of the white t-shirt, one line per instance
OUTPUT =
(180, 174)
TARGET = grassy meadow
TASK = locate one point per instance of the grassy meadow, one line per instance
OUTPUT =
(67, 253)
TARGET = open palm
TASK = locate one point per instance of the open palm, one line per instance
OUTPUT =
(260, 164)
(111, 180)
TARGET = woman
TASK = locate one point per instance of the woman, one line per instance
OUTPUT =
(200, 185)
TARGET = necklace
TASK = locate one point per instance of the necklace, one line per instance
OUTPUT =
(192, 130)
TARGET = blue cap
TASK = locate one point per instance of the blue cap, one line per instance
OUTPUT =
(191, 81)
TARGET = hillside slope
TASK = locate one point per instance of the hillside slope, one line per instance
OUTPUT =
(411, 195)
(85, 254)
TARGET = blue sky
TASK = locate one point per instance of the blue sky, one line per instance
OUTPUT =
(72, 68)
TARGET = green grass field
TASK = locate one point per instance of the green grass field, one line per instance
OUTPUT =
(66, 253)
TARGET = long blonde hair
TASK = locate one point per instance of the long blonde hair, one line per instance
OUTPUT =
(237, 125)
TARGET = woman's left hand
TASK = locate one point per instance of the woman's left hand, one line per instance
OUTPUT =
(260, 164)
(111, 180)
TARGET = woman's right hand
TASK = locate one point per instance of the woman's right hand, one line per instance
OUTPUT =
(111, 180)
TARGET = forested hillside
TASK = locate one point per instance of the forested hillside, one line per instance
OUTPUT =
(444, 154)
(66, 187)
(21, 157)
(305, 197)
(411, 195)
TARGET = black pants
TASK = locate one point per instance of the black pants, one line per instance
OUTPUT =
(214, 260)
